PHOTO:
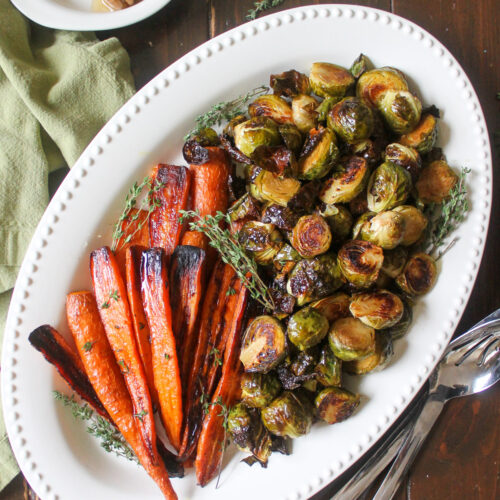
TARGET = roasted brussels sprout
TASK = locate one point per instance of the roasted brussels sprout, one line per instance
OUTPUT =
(349, 339)
(334, 404)
(264, 344)
(306, 328)
(291, 137)
(325, 106)
(359, 66)
(419, 274)
(360, 262)
(290, 414)
(311, 236)
(281, 217)
(194, 150)
(379, 309)
(312, 279)
(304, 362)
(388, 187)
(360, 222)
(259, 389)
(329, 368)
(374, 84)
(394, 261)
(272, 106)
(229, 128)
(386, 229)
(255, 132)
(318, 155)
(330, 80)
(286, 255)
(423, 136)
(333, 307)
(340, 222)
(405, 156)
(290, 83)
(245, 207)
(401, 110)
(276, 159)
(374, 362)
(267, 186)
(351, 119)
(415, 223)
(263, 241)
(401, 328)
(346, 184)
(435, 182)
(304, 114)
(367, 150)
(248, 432)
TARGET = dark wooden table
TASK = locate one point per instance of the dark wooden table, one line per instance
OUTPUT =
(461, 458)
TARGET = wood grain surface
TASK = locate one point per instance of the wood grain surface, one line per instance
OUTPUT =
(461, 458)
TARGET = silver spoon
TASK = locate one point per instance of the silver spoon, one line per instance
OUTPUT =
(470, 364)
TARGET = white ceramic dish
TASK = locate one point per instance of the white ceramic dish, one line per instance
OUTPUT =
(80, 15)
(56, 455)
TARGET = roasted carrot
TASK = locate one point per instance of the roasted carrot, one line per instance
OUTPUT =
(114, 309)
(141, 327)
(211, 322)
(186, 289)
(213, 433)
(155, 296)
(194, 239)
(57, 351)
(164, 225)
(104, 374)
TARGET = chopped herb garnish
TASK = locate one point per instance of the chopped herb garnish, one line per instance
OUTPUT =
(88, 346)
(114, 295)
(141, 414)
(105, 305)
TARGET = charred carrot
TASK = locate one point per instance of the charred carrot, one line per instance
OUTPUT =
(194, 239)
(213, 433)
(164, 225)
(155, 296)
(114, 309)
(186, 288)
(57, 351)
(105, 376)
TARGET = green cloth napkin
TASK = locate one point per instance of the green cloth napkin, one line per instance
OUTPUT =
(57, 89)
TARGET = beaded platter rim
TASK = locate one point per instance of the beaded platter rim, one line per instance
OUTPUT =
(39, 477)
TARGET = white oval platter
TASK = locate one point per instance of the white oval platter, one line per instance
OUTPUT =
(56, 455)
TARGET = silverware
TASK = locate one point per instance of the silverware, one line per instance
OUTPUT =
(471, 364)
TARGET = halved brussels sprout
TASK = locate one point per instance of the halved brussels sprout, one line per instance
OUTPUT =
(329, 368)
(360, 262)
(281, 217)
(367, 150)
(267, 186)
(318, 155)
(375, 362)
(328, 79)
(276, 159)
(335, 404)
(291, 137)
(360, 222)
(290, 83)
(388, 187)
(423, 136)
(401, 110)
(374, 84)
(351, 119)
(306, 328)
(379, 309)
(304, 114)
(349, 339)
(272, 106)
(259, 389)
(340, 223)
(394, 261)
(290, 414)
(415, 223)
(255, 132)
(419, 274)
(263, 241)
(359, 66)
(405, 156)
(435, 182)
(311, 236)
(286, 255)
(229, 128)
(264, 344)
(345, 185)
(312, 279)
(333, 307)
(401, 328)
(245, 207)
(386, 229)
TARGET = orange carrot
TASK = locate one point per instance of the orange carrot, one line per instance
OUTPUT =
(194, 239)
(213, 433)
(164, 225)
(155, 291)
(104, 374)
(114, 309)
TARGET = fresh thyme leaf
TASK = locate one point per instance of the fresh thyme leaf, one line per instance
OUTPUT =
(261, 6)
(124, 367)
(215, 353)
(141, 414)
(166, 356)
(231, 252)
(88, 346)
(230, 291)
(114, 295)
(141, 326)
(105, 305)
(110, 438)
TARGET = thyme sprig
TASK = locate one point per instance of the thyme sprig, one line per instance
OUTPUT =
(110, 438)
(231, 252)
(225, 111)
(261, 6)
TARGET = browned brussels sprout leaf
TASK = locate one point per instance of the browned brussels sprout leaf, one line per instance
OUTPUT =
(329, 368)
(245, 208)
(276, 159)
(290, 83)
(291, 137)
(263, 241)
(305, 198)
(367, 149)
(289, 380)
(359, 66)
(194, 149)
(334, 404)
(281, 217)
(234, 152)
(283, 302)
